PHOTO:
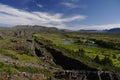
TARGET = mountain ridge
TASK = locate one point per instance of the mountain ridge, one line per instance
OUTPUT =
(112, 30)
(46, 28)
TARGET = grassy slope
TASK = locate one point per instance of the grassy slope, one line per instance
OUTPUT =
(57, 39)
(13, 50)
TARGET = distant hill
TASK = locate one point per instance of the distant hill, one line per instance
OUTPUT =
(92, 31)
(66, 30)
(31, 27)
(88, 30)
(50, 29)
(114, 30)
(35, 27)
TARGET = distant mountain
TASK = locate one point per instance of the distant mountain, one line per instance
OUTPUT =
(50, 29)
(91, 31)
(31, 27)
(88, 30)
(114, 30)
(66, 30)
(35, 27)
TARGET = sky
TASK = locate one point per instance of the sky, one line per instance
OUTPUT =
(62, 14)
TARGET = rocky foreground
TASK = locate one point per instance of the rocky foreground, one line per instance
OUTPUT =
(87, 75)
(22, 76)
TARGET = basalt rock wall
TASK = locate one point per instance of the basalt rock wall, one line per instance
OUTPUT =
(87, 75)
(68, 63)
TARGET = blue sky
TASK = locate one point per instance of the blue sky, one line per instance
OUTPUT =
(67, 14)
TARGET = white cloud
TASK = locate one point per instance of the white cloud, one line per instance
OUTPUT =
(94, 27)
(69, 5)
(71, 0)
(72, 5)
(13, 16)
(39, 5)
(105, 26)
(74, 0)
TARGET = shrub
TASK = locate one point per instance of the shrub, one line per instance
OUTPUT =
(107, 61)
(97, 59)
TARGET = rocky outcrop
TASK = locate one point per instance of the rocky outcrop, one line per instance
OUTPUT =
(87, 75)
(76, 70)
(22, 76)
(68, 63)
(9, 61)
(35, 28)
(39, 53)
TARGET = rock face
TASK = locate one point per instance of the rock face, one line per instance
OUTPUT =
(68, 63)
(35, 28)
(22, 76)
(39, 53)
(87, 75)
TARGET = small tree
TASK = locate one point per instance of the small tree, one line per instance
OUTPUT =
(97, 59)
(114, 56)
(81, 52)
(106, 61)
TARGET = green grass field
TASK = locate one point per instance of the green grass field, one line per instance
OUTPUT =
(91, 50)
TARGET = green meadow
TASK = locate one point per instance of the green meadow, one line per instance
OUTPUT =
(97, 50)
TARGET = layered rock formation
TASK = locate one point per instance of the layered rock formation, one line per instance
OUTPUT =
(87, 75)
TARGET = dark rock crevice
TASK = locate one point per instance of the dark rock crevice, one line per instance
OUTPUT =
(68, 63)
(39, 53)
(87, 75)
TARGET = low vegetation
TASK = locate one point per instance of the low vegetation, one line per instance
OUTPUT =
(98, 51)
